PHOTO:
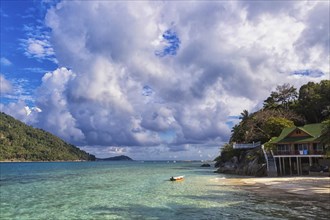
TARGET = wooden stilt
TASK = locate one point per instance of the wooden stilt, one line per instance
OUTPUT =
(280, 162)
(290, 166)
(297, 165)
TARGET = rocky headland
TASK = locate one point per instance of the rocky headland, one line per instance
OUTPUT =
(249, 162)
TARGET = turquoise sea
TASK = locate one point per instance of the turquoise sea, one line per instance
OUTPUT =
(134, 190)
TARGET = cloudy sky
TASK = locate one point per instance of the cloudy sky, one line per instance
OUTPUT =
(154, 80)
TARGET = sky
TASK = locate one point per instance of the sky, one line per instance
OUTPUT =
(154, 80)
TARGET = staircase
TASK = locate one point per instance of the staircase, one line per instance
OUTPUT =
(271, 163)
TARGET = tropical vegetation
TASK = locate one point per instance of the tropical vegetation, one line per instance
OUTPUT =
(20, 142)
(285, 107)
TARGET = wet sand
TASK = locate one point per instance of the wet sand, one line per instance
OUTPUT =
(316, 188)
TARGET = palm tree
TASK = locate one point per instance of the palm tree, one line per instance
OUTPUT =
(244, 115)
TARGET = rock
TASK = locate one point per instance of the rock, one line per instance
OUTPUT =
(205, 165)
(248, 162)
(234, 160)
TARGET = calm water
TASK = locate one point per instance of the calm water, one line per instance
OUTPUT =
(133, 190)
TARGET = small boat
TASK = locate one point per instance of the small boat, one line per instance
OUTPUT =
(176, 178)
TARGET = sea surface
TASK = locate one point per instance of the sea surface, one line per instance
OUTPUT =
(134, 190)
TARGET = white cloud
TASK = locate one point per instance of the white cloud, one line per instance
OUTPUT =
(56, 115)
(16, 89)
(36, 43)
(31, 110)
(39, 49)
(4, 61)
(119, 94)
(5, 85)
(17, 110)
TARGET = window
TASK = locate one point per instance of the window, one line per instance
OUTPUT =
(319, 147)
(302, 146)
(298, 132)
(283, 147)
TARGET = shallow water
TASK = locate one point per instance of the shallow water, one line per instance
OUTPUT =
(134, 190)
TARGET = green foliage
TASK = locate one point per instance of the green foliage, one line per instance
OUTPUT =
(284, 97)
(244, 115)
(20, 142)
(228, 152)
(325, 133)
(314, 101)
(262, 125)
(284, 108)
(274, 125)
(269, 146)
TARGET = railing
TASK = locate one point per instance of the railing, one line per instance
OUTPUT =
(272, 153)
(297, 152)
(246, 146)
(266, 156)
(270, 162)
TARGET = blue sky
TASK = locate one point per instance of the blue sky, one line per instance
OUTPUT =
(21, 21)
(154, 80)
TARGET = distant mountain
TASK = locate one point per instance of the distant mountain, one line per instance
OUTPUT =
(20, 142)
(116, 158)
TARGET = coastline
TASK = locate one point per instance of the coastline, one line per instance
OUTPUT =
(41, 161)
(316, 188)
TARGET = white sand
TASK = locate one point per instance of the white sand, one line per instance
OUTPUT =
(307, 186)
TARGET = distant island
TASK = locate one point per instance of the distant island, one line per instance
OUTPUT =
(20, 142)
(116, 158)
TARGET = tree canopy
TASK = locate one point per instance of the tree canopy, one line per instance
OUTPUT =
(284, 96)
(314, 101)
(20, 142)
(285, 107)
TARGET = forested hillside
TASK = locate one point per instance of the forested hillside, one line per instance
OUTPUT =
(285, 107)
(20, 142)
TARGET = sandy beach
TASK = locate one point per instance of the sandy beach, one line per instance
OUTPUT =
(317, 188)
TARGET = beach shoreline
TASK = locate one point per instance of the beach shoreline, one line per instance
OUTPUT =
(316, 188)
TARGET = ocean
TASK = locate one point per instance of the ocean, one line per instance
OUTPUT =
(134, 190)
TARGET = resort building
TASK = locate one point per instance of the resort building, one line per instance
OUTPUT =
(298, 151)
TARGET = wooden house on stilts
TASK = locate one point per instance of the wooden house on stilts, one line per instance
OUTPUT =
(298, 151)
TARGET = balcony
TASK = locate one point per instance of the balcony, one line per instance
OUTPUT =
(297, 152)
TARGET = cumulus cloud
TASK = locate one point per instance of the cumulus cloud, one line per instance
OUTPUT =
(169, 76)
(313, 43)
(55, 115)
(5, 85)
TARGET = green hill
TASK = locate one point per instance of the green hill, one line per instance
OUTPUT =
(116, 158)
(20, 142)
